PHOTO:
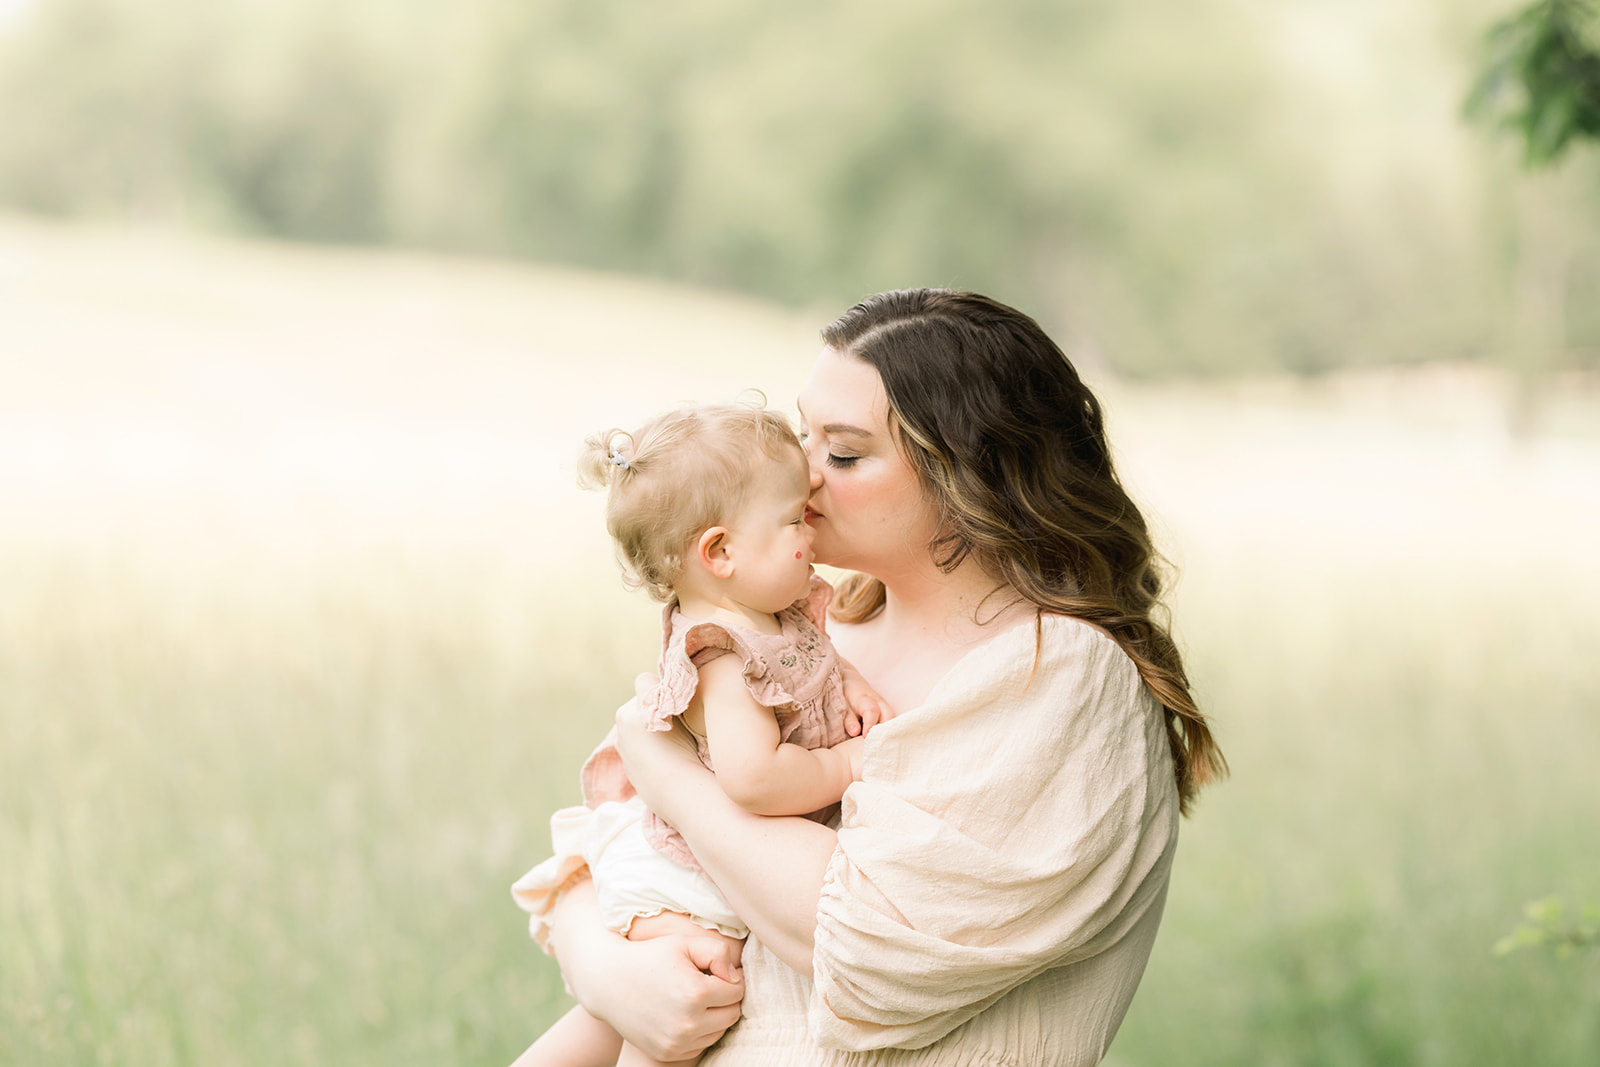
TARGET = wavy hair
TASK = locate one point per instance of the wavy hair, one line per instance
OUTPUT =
(677, 475)
(1010, 445)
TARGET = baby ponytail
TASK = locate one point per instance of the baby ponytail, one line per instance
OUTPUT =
(605, 458)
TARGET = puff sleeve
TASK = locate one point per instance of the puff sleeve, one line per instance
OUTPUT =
(1023, 818)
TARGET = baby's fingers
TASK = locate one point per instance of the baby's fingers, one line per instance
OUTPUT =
(867, 709)
(872, 712)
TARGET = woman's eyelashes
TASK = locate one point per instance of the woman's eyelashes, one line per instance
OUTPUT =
(833, 459)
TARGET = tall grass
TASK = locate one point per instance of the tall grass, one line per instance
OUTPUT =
(1412, 760)
(273, 818)
(273, 746)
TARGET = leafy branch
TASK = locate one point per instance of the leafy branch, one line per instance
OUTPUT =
(1544, 925)
(1541, 78)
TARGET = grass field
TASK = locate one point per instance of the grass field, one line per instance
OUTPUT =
(304, 631)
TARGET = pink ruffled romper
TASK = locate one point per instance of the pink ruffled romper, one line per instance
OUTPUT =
(795, 672)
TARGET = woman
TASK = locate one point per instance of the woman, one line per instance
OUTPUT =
(998, 875)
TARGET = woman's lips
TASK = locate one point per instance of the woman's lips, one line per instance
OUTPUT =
(810, 516)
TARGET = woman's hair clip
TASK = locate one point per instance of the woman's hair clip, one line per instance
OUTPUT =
(618, 459)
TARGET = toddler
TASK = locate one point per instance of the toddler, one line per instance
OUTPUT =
(707, 507)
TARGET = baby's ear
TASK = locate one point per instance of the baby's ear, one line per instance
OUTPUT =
(711, 551)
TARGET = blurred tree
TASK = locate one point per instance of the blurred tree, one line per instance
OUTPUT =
(1197, 187)
(1540, 82)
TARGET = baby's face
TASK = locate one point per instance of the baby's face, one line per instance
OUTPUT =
(770, 542)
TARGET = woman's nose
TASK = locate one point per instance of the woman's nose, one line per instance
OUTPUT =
(814, 471)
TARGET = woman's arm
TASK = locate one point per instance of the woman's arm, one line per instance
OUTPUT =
(655, 993)
(1023, 820)
(769, 869)
(755, 767)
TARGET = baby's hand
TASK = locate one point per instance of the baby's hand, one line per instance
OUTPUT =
(867, 708)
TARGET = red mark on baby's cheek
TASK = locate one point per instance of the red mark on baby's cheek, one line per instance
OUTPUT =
(797, 555)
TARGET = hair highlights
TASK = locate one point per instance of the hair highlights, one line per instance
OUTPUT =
(1011, 447)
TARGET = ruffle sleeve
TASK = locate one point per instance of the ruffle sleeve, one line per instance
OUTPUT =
(1023, 818)
(688, 645)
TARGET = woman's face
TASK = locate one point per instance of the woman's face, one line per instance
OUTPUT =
(867, 508)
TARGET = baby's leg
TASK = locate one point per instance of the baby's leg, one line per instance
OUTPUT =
(666, 924)
(577, 1039)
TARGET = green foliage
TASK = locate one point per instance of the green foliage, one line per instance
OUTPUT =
(1541, 78)
(1194, 187)
(1545, 925)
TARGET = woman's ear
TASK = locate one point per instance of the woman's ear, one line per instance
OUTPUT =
(711, 551)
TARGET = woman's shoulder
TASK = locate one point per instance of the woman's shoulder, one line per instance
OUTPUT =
(1050, 642)
(1069, 633)
(1039, 669)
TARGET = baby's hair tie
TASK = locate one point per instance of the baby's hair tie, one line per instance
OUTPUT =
(619, 460)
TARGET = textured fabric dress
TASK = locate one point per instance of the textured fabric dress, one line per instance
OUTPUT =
(999, 878)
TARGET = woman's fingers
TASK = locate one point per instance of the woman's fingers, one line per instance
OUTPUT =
(663, 1003)
(717, 1021)
(710, 1004)
(721, 1010)
(720, 959)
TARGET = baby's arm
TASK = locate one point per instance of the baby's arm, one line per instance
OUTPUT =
(759, 771)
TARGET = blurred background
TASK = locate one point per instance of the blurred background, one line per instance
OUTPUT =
(305, 629)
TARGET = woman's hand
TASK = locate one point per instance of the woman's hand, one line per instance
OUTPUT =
(659, 994)
(867, 708)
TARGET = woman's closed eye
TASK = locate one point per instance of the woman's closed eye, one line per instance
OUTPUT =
(833, 458)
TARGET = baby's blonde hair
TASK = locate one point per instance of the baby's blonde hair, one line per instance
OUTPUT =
(676, 476)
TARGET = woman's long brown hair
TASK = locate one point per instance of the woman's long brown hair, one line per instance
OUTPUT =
(1011, 446)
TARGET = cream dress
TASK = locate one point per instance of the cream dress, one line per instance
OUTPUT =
(1000, 873)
